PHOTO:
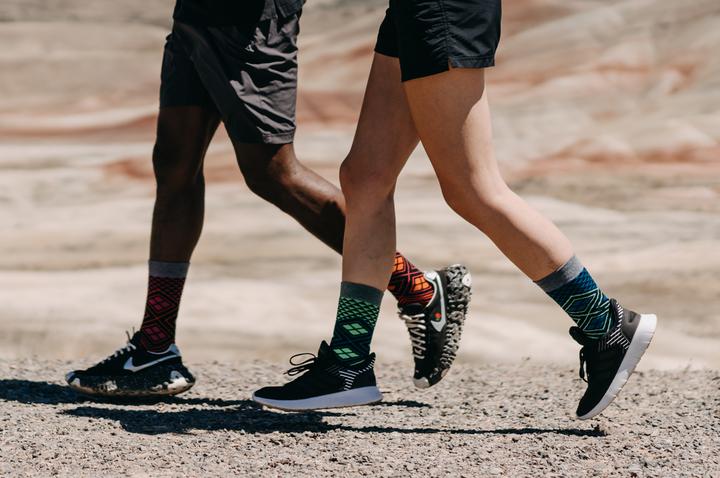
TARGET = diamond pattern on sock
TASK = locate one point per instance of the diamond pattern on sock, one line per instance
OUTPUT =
(354, 327)
(586, 304)
(157, 332)
(408, 283)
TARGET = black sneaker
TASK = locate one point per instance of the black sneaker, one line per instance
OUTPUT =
(326, 383)
(609, 361)
(134, 372)
(435, 329)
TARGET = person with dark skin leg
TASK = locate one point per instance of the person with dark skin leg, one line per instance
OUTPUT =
(236, 63)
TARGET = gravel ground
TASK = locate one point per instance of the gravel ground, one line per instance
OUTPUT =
(503, 421)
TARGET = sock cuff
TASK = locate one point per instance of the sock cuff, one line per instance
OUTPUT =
(173, 270)
(362, 292)
(567, 273)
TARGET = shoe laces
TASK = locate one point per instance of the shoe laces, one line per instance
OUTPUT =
(128, 347)
(416, 327)
(300, 367)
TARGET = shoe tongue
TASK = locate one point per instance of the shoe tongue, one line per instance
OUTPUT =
(579, 336)
(324, 351)
(135, 339)
(413, 309)
(613, 305)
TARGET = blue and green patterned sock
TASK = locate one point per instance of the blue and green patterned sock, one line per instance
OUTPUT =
(357, 314)
(574, 289)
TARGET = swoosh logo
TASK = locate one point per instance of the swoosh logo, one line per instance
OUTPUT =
(132, 368)
(438, 324)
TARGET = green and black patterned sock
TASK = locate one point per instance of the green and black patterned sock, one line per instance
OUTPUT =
(357, 314)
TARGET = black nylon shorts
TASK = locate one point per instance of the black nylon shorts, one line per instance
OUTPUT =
(246, 73)
(431, 36)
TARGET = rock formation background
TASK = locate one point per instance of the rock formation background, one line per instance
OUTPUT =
(606, 118)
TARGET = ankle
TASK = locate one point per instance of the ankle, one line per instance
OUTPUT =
(408, 283)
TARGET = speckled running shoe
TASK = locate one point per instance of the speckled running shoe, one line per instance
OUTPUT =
(133, 371)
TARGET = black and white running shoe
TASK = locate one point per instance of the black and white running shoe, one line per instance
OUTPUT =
(606, 364)
(435, 329)
(134, 372)
(324, 383)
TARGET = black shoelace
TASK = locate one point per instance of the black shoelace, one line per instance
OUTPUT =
(303, 366)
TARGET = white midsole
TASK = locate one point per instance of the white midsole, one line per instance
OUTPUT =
(348, 398)
(639, 344)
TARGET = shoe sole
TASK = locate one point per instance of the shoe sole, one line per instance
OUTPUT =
(348, 398)
(177, 383)
(459, 293)
(639, 344)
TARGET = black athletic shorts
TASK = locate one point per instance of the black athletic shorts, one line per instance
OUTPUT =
(431, 36)
(246, 73)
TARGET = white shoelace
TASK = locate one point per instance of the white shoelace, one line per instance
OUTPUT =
(416, 327)
(128, 347)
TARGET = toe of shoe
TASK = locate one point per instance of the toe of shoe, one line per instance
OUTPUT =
(271, 393)
(429, 381)
(584, 407)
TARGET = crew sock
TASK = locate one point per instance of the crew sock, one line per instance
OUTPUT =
(357, 314)
(576, 292)
(165, 286)
(408, 283)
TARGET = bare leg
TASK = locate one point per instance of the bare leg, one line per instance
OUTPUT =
(384, 139)
(274, 173)
(452, 116)
(183, 136)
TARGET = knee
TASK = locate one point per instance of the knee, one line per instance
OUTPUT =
(266, 178)
(479, 204)
(176, 172)
(359, 180)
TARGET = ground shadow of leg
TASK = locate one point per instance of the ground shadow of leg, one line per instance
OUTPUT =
(30, 392)
(403, 403)
(247, 416)
(251, 418)
(594, 432)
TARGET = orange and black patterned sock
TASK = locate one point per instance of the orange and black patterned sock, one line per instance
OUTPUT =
(408, 283)
(165, 286)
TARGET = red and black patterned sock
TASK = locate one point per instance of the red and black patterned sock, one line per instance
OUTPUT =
(408, 283)
(165, 287)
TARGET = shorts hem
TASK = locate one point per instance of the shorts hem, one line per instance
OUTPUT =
(284, 138)
(486, 61)
(391, 54)
(281, 138)
(425, 72)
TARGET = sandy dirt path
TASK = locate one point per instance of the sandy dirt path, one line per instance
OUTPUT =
(481, 421)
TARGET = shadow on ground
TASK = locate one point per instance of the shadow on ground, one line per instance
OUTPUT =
(238, 415)
(251, 418)
(29, 391)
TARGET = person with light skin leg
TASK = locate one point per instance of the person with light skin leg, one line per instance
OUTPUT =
(428, 78)
(236, 63)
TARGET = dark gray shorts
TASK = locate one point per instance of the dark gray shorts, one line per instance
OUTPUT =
(430, 36)
(246, 73)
